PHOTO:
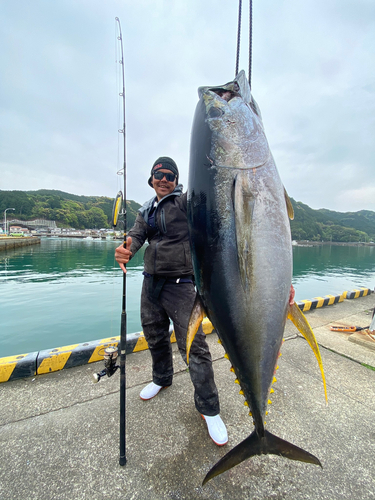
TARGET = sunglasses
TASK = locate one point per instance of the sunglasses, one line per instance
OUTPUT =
(159, 175)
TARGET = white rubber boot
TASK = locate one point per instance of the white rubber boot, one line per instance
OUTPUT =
(216, 429)
(150, 391)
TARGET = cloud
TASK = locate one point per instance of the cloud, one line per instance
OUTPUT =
(60, 110)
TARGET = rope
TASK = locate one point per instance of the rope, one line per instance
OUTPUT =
(250, 37)
(238, 35)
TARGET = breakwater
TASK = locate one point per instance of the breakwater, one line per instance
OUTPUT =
(9, 242)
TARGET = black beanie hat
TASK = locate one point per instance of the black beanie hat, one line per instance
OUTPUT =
(166, 163)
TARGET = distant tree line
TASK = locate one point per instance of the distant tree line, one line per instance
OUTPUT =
(327, 225)
(80, 212)
(90, 212)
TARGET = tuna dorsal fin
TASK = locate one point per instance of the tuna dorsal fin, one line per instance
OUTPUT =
(289, 205)
(300, 321)
(196, 318)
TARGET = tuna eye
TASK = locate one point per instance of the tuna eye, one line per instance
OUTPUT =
(215, 113)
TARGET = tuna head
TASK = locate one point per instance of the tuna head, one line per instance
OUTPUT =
(238, 138)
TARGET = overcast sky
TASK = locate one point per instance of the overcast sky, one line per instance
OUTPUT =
(312, 76)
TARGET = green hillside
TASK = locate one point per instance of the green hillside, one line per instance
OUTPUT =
(81, 212)
(68, 210)
(327, 225)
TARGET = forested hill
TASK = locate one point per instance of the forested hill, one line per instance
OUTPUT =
(68, 210)
(80, 212)
(327, 225)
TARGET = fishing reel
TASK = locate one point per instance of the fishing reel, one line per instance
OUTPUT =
(110, 367)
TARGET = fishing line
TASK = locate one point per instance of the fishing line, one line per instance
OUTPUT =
(118, 79)
(117, 56)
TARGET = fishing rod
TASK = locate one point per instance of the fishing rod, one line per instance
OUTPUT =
(352, 329)
(110, 353)
(122, 459)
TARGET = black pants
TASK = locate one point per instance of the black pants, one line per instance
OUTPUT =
(175, 302)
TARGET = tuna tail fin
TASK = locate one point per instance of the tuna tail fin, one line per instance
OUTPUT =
(300, 321)
(196, 318)
(269, 444)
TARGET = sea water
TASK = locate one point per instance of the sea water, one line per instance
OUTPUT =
(67, 291)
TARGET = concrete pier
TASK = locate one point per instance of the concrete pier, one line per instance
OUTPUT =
(9, 242)
(59, 432)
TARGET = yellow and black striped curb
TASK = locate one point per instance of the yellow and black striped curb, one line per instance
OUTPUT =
(327, 300)
(355, 294)
(52, 360)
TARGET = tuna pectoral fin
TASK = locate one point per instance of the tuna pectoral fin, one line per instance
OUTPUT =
(196, 318)
(254, 445)
(298, 318)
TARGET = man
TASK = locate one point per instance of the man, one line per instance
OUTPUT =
(168, 292)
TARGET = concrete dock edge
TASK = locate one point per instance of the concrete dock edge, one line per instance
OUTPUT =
(59, 358)
(10, 242)
(52, 360)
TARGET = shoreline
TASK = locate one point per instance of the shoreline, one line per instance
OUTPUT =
(60, 358)
(308, 243)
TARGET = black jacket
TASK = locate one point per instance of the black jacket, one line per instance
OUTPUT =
(168, 253)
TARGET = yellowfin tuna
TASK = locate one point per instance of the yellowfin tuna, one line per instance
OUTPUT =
(242, 253)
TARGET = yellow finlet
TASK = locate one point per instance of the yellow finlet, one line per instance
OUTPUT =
(226, 356)
(300, 321)
(269, 402)
(196, 318)
(246, 403)
(232, 369)
(241, 392)
(236, 381)
(274, 380)
(272, 391)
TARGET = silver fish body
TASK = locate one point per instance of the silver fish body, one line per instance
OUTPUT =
(241, 247)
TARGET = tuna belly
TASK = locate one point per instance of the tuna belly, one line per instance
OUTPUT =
(249, 284)
(251, 336)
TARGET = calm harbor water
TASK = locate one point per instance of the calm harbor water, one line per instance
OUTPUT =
(67, 291)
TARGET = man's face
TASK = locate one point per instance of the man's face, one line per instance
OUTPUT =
(163, 187)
